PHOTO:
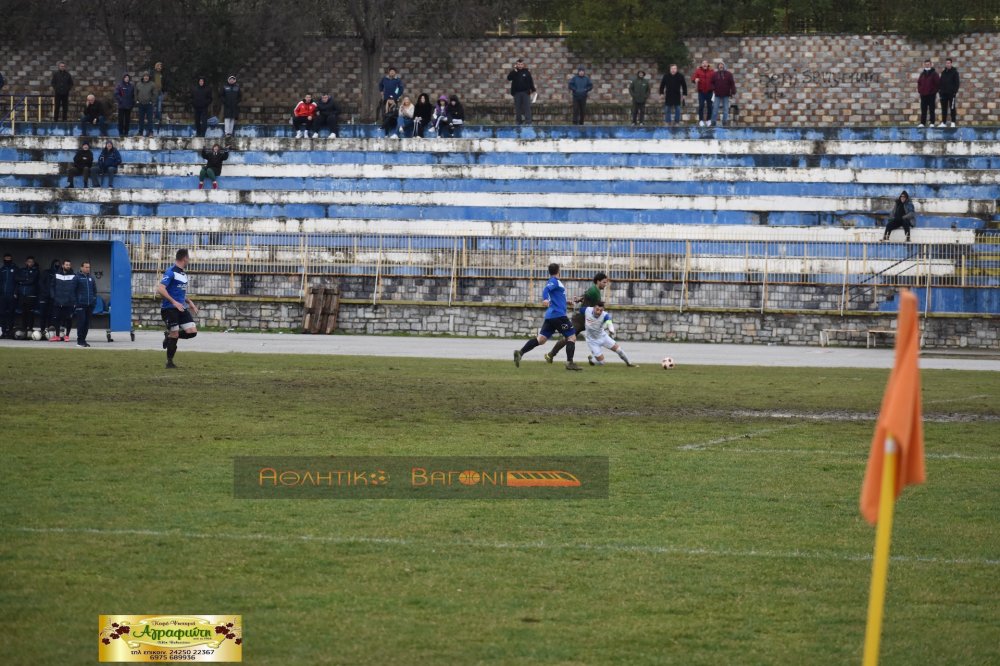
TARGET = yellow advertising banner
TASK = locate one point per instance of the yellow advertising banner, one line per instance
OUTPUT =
(144, 638)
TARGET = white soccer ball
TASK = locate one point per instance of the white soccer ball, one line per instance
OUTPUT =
(36, 335)
(667, 363)
(19, 334)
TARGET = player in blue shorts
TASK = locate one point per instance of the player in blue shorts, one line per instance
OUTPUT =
(176, 308)
(556, 321)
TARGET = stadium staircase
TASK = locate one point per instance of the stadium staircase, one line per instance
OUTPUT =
(719, 194)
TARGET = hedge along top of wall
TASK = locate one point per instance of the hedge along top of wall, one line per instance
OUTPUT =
(797, 80)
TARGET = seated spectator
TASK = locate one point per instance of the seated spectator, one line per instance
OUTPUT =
(303, 117)
(83, 162)
(404, 121)
(93, 116)
(456, 116)
(441, 125)
(390, 117)
(423, 112)
(327, 116)
(213, 166)
(108, 163)
(903, 215)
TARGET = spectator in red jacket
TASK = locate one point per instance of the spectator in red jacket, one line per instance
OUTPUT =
(703, 82)
(303, 117)
(928, 84)
(724, 87)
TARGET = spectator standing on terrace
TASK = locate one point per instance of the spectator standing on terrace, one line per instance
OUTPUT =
(62, 84)
(702, 80)
(674, 89)
(3, 81)
(63, 297)
(391, 87)
(83, 162)
(145, 99)
(303, 116)
(213, 166)
(159, 82)
(201, 102)
(27, 293)
(903, 215)
(456, 116)
(93, 116)
(424, 112)
(108, 163)
(948, 90)
(404, 119)
(86, 298)
(723, 87)
(579, 87)
(327, 116)
(125, 98)
(8, 294)
(638, 89)
(522, 87)
(231, 96)
(928, 84)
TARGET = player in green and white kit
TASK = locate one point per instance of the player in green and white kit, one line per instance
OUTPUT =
(599, 329)
(589, 299)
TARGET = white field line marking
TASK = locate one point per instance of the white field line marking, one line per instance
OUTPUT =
(504, 545)
(861, 455)
(699, 446)
(971, 397)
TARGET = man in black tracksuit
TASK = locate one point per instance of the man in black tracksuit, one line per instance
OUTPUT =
(83, 162)
(8, 294)
(521, 88)
(947, 91)
(63, 301)
(201, 101)
(327, 114)
(62, 83)
(27, 293)
(86, 297)
(48, 276)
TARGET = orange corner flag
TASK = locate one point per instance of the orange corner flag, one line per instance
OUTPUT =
(900, 417)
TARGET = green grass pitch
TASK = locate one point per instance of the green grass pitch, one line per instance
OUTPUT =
(731, 536)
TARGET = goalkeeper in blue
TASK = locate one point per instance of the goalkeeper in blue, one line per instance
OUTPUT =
(556, 321)
(600, 328)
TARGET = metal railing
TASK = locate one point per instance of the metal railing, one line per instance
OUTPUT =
(846, 276)
(24, 107)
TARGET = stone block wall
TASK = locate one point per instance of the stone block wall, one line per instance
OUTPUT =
(738, 327)
(795, 80)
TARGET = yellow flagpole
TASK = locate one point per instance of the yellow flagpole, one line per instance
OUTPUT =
(880, 564)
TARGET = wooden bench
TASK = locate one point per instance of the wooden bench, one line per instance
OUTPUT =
(824, 334)
(873, 334)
